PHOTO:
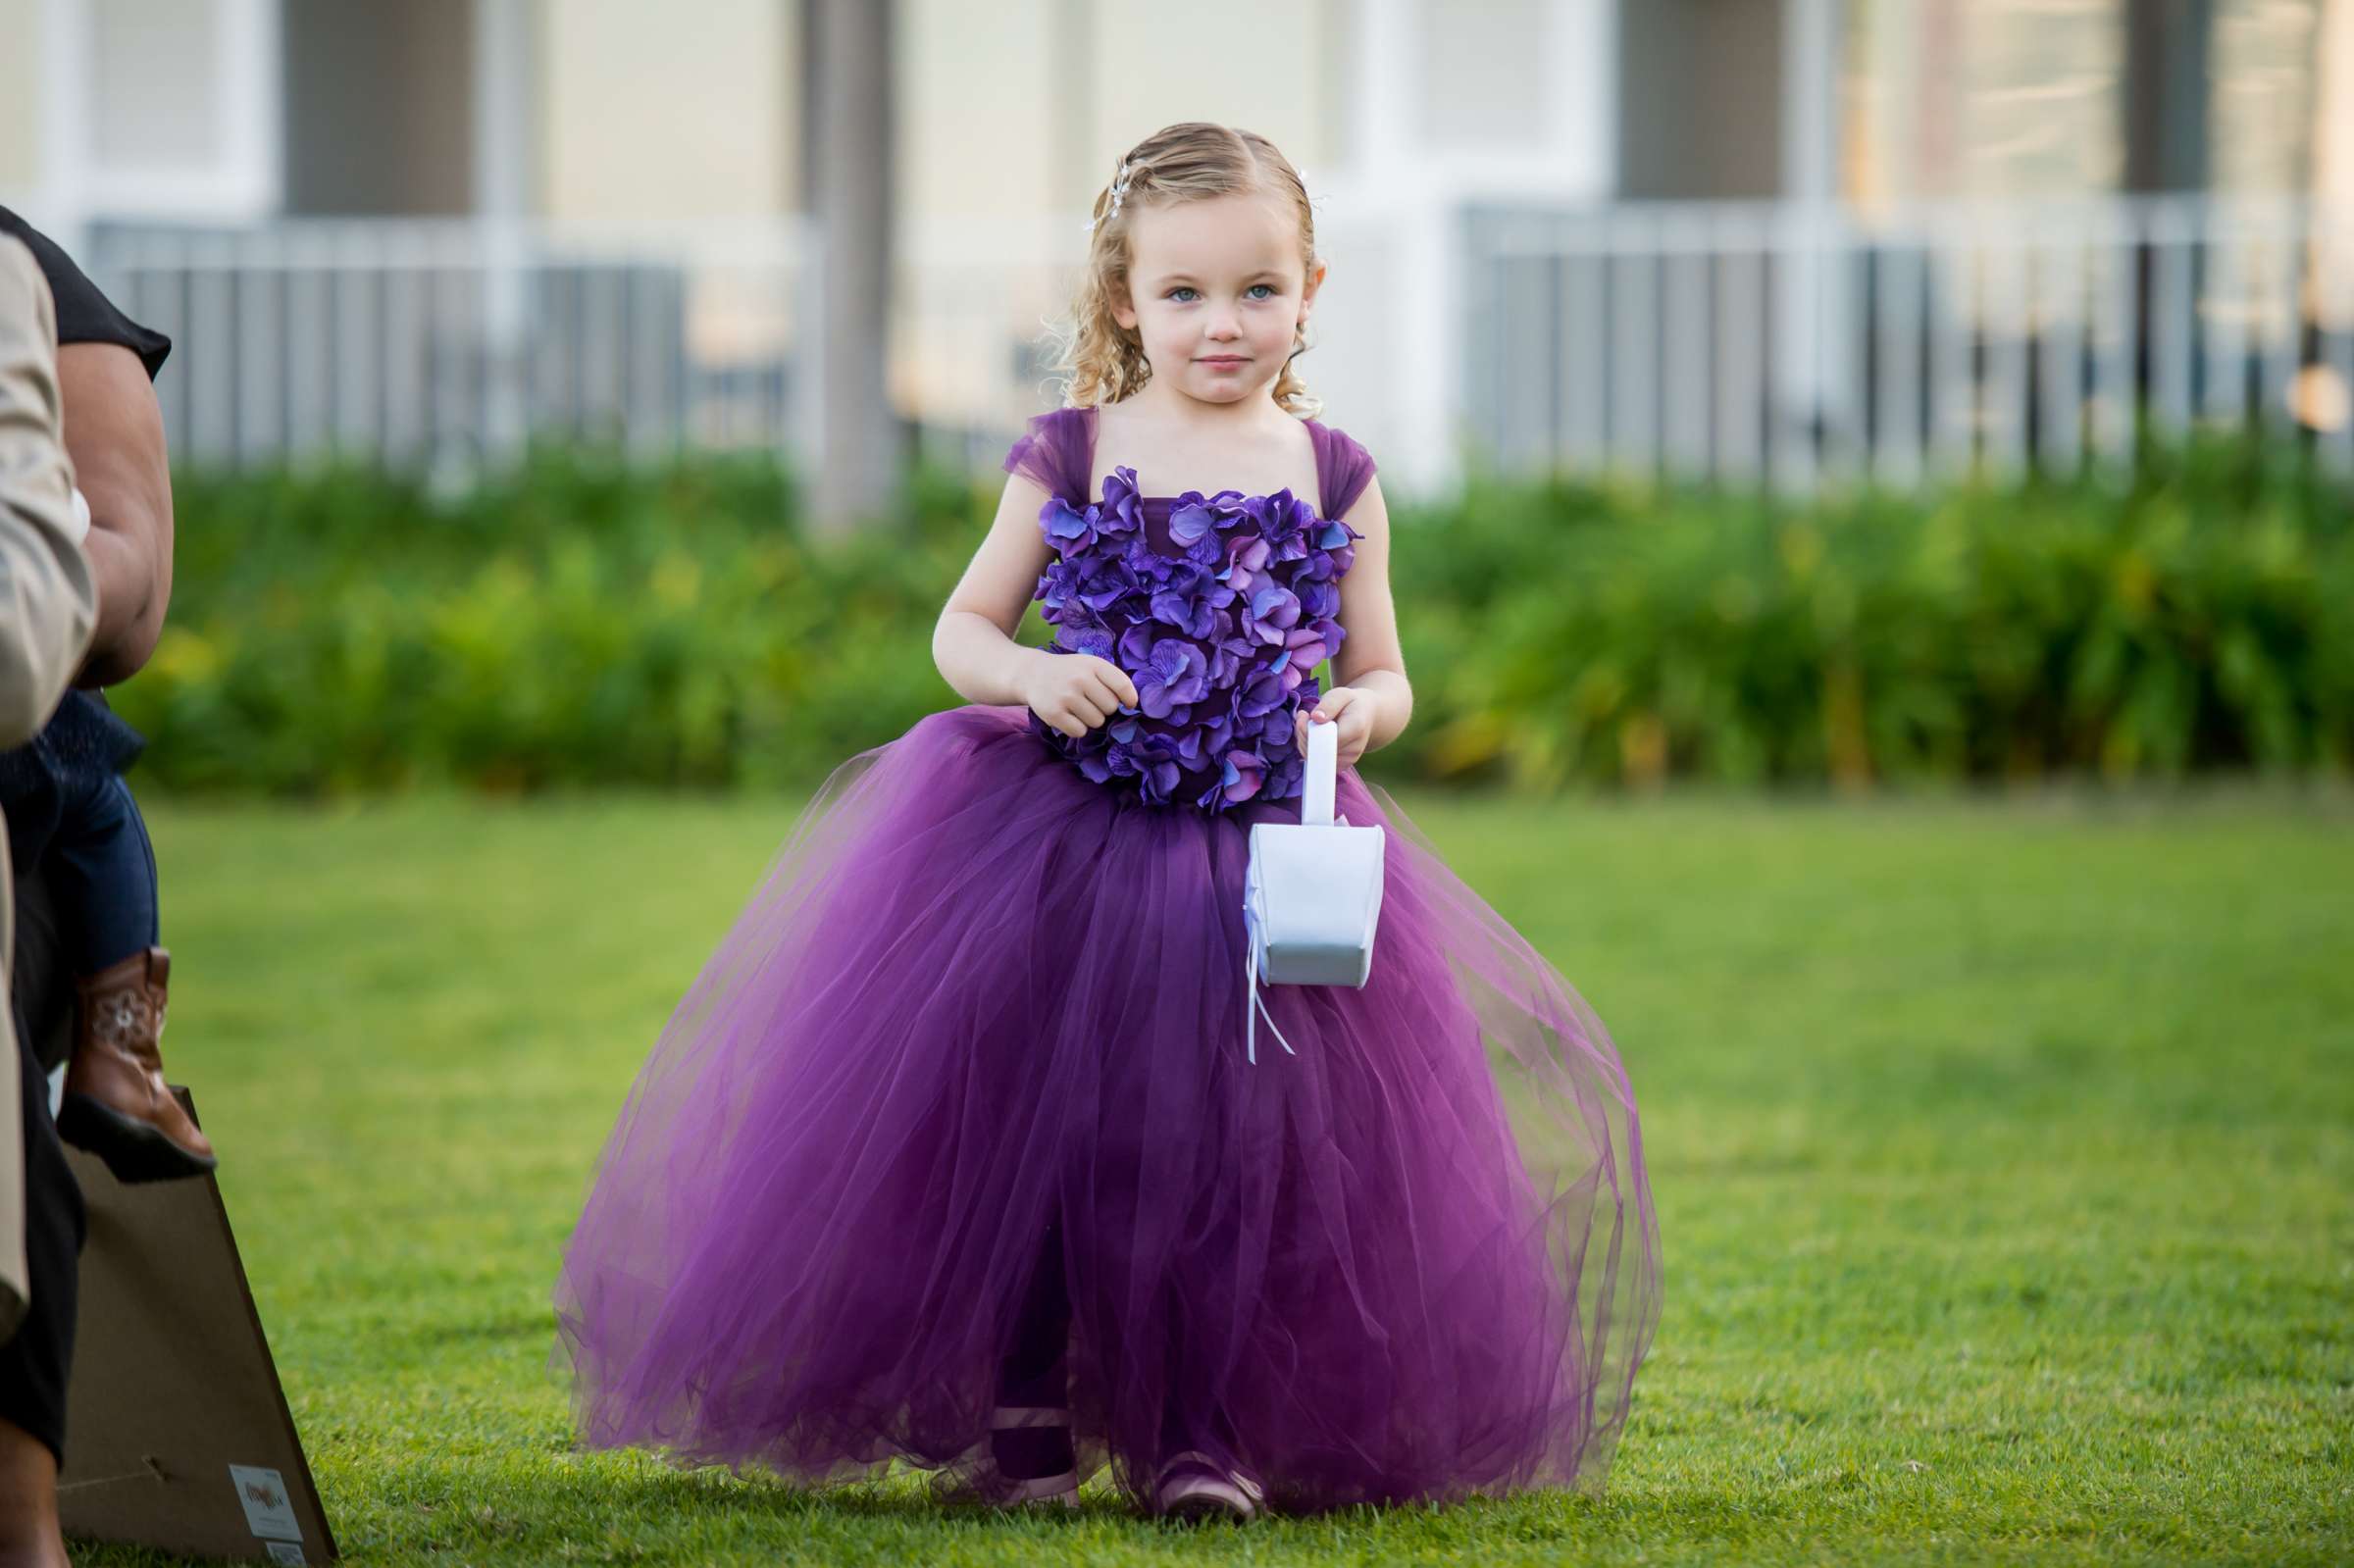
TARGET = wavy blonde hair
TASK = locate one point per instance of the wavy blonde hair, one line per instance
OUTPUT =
(1103, 362)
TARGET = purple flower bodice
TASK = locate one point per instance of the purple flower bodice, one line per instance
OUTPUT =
(1219, 607)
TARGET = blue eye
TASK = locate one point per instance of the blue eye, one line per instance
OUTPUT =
(1255, 287)
(1181, 288)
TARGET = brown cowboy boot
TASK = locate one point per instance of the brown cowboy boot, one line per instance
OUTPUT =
(116, 1104)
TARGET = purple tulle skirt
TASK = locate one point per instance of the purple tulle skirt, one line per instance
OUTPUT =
(979, 1002)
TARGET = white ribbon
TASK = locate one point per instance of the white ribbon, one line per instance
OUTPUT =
(1259, 1005)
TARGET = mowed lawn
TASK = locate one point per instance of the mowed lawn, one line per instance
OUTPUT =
(2004, 1153)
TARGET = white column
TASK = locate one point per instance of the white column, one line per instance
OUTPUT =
(68, 88)
(1807, 369)
(507, 194)
(1582, 93)
(1424, 319)
(858, 461)
(1810, 100)
(506, 106)
(252, 109)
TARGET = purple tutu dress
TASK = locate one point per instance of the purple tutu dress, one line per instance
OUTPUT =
(965, 1084)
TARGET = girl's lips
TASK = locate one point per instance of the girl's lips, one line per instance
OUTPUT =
(1224, 361)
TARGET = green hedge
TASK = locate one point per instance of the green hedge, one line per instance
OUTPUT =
(586, 623)
(2204, 620)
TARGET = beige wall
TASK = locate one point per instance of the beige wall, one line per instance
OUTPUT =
(1021, 108)
(1012, 109)
(683, 111)
(2333, 107)
(20, 95)
(156, 68)
(2265, 66)
(1982, 99)
(978, 121)
(1488, 67)
(1264, 68)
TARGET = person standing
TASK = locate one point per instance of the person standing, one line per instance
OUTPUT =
(48, 611)
(72, 818)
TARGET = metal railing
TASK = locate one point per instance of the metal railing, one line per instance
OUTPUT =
(453, 342)
(1774, 345)
(1744, 343)
(423, 342)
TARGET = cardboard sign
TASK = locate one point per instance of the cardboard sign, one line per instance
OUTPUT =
(177, 1436)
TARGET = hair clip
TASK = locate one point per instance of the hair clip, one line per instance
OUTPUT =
(1119, 193)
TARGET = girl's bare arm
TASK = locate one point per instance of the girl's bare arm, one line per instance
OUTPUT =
(1372, 663)
(973, 643)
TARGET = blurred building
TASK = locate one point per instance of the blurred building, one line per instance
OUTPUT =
(277, 179)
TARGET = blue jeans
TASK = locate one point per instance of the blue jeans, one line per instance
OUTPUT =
(101, 869)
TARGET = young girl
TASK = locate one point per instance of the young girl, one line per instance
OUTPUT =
(952, 1153)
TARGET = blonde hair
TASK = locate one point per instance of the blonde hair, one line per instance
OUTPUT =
(1103, 362)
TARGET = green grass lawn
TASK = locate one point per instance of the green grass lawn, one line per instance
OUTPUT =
(2004, 1153)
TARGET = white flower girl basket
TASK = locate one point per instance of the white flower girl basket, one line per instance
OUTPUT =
(1312, 894)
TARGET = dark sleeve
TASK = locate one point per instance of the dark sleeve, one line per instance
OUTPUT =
(85, 315)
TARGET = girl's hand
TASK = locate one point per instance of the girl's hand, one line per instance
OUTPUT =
(1074, 693)
(1347, 707)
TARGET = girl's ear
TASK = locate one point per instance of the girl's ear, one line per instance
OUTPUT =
(1308, 291)
(1122, 311)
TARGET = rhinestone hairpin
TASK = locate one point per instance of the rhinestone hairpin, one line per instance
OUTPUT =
(1119, 193)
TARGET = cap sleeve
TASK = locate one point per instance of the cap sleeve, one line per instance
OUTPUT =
(1343, 470)
(1056, 453)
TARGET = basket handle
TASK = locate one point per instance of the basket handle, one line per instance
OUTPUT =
(1321, 783)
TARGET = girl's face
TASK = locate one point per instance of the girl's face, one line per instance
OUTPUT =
(1216, 289)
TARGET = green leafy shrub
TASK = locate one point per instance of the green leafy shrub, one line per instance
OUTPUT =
(584, 622)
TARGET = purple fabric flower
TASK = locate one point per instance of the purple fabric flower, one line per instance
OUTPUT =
(1199, 745)
(1067, 529)
(1307, 648)
(1056, 586)
(1274, 611)
(1246, 558)
(1189, 598)
(1121, 513)
(1175, 673)
(1261, 691)
(1090, 639)
(1244, 775)
(1157, 766)
(1190, 615)
(1105, 584)
(1192, 522)
(1220, 629)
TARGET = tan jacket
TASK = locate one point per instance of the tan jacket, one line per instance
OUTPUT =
(48, 605)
